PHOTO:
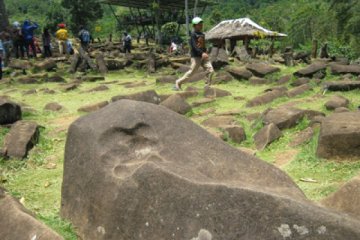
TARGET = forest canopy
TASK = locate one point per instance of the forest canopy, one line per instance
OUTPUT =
(334, 21)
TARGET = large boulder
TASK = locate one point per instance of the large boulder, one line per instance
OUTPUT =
(17, 223)
(345, 69)
(10, 112)
(149, 96)
(23, 136)
(261, 69)
(284, 117)
(135, 170)
(337, 102)
(340, 136)
(346, 199)
(239, 73)
(177, 104)
(266, 135)
(311, 70)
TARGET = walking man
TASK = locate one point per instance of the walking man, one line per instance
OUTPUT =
(199, 55)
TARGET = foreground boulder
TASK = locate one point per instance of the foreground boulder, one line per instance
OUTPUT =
(135, 170)
(346, 199)
(17, 223)
(177, 104)
(23, 136)
(149, 96)
(10, 112)
(340, 136)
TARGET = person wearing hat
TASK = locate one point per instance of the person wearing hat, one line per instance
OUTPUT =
(27, 30)
(62, 37)
(199, 55)
(127, 42)
(18, 40)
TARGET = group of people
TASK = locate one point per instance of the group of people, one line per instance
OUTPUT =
(19, 41)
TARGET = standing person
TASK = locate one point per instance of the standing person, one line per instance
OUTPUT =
(62, 37)
(2, 50)
(18, 40)
(6, 39)
(46, 38)
(85, 38)
(28, 33)
(127, 42)
(199, 55)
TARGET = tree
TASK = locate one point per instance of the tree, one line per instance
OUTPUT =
(83, 12)
(4, 21)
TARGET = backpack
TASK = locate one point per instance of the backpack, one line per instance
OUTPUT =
(128, 40)
(85, 36)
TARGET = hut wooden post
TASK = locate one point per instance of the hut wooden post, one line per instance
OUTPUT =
(233, 43)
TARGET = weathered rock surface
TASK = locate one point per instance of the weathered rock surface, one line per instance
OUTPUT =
(53, 106)
(337, 102)
(266, 136)
(340, 136)
(149, 96)
(344, 69)
(346, 199)
(166, 79)
(346, 85)
(258, 81)
(298, 90)
(219, 57)
(211, 92)
(219, 121)
(10, 112)
(17, 223)
(265, 98)
(93, 107)
(311, 70)
(300, 82)
(202, 102)
(177, 104)
(45, 65)
(239, 73)
(23, 136)
(236, 134)
(302, 137)
(284, 117)
(99, 89)
(261, 69)
(55, 78)
(129, 174)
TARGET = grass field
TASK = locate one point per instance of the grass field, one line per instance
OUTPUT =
(37, 180)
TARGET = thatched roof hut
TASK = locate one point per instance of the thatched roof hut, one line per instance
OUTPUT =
(240, 29)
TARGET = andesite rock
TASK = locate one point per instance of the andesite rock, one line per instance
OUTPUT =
(18, 223)
(177, 104)
(284, 117)
(23, 136)
(337, 102)
(149, 96)
(261, 69)
(10, 112)
(266, 136)
(130, 174)
(340, 136)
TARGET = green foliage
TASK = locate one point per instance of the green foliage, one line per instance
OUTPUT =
(83, 12)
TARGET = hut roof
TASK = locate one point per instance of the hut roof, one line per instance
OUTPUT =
(239, 29)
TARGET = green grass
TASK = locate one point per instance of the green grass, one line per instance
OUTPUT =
(40, 185)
